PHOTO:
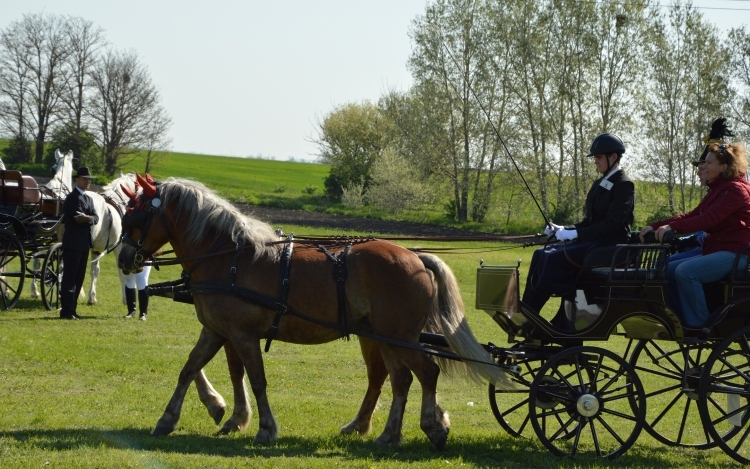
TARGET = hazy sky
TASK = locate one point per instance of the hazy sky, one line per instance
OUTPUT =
(253, 77)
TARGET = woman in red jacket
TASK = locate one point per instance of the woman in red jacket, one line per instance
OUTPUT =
(725, 215)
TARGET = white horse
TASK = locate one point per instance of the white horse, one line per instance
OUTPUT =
(106, 233)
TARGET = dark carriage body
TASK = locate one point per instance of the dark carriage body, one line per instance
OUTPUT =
(689, 375)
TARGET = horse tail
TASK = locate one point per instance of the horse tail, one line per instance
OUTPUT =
(447, 317)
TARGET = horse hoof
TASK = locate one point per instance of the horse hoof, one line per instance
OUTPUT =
(162, 430)
(440, 441)
(388, 441)
(217, 413)
(264, 437)
(353, 427)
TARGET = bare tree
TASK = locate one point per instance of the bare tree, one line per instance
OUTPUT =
(44, 40)
(125, 108)
(84, 39)
(14, 84)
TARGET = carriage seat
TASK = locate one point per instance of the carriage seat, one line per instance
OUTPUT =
(17, 189)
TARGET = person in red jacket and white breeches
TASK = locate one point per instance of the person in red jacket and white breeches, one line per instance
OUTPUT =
(725, 215)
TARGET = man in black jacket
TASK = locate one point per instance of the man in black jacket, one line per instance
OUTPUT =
(80, 216)
(609, 214)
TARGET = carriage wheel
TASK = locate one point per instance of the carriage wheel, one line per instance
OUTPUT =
(511, 406)
(592, 393)
(724, 395)
(12, 269)
(671, 388)
(51, 277)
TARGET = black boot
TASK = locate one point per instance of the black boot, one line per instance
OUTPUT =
(130, 301)
(143, 303)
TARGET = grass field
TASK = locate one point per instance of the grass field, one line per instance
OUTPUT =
(87, 394)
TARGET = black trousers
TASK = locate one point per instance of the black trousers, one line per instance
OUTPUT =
(551, 273)
(74, 271)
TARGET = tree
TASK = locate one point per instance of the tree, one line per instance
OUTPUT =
(452, 68)
(686, 92)
(84, 40)
(350, 139)
(125, 108)
(14, 84)
(43, 37)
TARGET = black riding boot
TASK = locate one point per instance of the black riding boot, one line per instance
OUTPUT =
(130, 301)
(143, 303)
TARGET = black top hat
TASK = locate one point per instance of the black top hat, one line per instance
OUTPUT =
(83, 172)
(719, 130)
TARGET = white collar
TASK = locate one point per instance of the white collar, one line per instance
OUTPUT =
(81, 191)
(618, 168)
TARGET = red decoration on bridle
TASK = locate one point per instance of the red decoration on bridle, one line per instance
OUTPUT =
(148, 185)
(130, 194)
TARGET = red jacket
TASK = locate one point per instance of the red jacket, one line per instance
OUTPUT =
(724, 214)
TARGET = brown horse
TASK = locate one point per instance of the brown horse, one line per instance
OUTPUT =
(390, 293)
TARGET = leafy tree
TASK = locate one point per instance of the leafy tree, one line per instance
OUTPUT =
(685, 93)
(81, 142)
(350, 139)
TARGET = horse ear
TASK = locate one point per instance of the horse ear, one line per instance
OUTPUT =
(149, 189)
(130, 194)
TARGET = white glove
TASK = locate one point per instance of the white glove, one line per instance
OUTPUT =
(551, 229)
(566, 235)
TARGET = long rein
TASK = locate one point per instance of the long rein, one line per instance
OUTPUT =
(159, 260)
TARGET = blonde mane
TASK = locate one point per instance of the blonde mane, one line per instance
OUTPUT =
(204, 212)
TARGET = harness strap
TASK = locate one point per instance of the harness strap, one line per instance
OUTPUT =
(286, 261)
(339, 275)
(274, 305)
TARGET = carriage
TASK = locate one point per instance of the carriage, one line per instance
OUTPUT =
(30, 216)
(685, 387)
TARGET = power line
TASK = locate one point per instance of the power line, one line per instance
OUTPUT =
(659, 5)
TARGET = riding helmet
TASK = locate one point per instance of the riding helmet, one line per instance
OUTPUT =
(606, 143)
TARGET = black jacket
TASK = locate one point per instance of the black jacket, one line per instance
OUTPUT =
(609, 213)
(77, 236)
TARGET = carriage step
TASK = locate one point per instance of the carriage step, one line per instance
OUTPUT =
(433, 339)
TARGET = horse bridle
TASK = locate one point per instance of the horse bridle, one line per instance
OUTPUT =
(143, 223)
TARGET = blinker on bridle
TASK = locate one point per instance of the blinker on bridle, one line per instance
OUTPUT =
(141, 218)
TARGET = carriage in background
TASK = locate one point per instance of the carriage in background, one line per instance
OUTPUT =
(685, 387)
(30, 216)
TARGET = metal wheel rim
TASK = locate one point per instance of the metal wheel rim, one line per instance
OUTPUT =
(611, 382)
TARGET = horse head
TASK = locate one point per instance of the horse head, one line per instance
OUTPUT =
(141, 236)
(62, 182)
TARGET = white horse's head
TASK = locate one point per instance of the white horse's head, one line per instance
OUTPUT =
(62, 182)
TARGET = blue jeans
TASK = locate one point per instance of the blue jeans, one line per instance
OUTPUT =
(686, 277)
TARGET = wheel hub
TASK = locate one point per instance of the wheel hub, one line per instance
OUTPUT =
(587, 405)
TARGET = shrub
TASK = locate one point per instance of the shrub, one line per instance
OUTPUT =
(280, 189)
(310, 189)
(353, 196)
(395, 185)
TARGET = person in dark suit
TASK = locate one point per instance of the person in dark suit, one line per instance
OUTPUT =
(609, 214)
(80, 216)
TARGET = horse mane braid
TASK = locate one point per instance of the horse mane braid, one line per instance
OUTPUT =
(206, 213)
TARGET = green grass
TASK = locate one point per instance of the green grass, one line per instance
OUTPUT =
(88, 393)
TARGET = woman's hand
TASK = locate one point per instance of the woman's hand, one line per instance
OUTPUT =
(661, 231)
(644, 231)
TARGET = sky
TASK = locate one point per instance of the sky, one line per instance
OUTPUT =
(252, 78)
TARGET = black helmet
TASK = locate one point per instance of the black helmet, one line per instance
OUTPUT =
(606, 143)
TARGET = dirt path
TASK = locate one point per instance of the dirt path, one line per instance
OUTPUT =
(280, 217)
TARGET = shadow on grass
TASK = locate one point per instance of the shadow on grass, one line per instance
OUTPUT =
(492, 451)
